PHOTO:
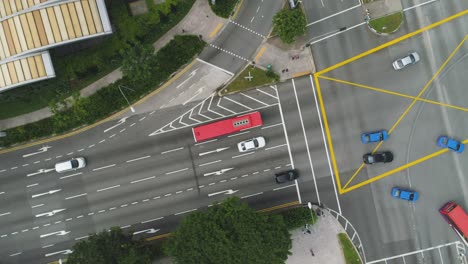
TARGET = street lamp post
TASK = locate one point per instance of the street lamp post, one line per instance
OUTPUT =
(131, 107)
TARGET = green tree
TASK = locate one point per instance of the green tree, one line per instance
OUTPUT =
(109, 247)
(289, 24)
(230, 233)
(137, 62)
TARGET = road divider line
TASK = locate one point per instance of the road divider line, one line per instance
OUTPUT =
(241, 155)
(209, 163)
(37, 205)
(282, 145)
(76, 196)
(145, 179)
(51, 245)
(151, 220)
(5, 214)
(172, 172)
(127, 226)
(255, 194)
(16, 254)
(105, 167)
(204, 142)
(108, 188)
(285, 130)
(83, 237)
(172, 150)
(32, 185)
(238, 134)
(184, 212)
(330, 16)
(266, 127)
(68, 176)
(284, 187)
(145, 157)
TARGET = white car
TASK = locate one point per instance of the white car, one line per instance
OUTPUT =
(251, 144)
(70, 165)
(401, 63)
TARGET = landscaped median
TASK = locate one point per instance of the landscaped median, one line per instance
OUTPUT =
(85, 111)
(387, 24)
(251, 77)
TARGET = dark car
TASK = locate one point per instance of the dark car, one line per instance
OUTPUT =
(378, 157)
(286, 176)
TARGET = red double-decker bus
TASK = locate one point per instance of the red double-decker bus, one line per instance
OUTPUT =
(457, 218)
(227, 126)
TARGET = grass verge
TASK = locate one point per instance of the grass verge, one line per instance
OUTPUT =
(241, 83)
(387, 24)
(349, 251)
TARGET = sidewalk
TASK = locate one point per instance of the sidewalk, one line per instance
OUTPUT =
(200, 20)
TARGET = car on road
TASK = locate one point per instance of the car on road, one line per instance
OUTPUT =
(378, 157)
(375, 136)
(403, 194)
(450, 143)
(70, 165)
(251, 144)
(409, 59)
(286, 176)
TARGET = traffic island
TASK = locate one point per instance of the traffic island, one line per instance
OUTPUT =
(250, 78)
(383, 17)
(387, 24)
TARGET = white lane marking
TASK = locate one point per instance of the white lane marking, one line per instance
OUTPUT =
(71, 175)
(214, 66)
(186, 80)
(266, 93)
(252, 19)
(330, 16)
(91, 146)
(238, 134)
(151, 220)
(172, 172)
(306, 143)
(245, 175)
(14, 168)
(285, 130)
(418, 5)
(241, 155)
(247, 196)
(178, 192)
(145, 179)
(204, 142)
(3, 236)
(337, 33)
(57, 157)
(108, 188)
(189, 189)
(36, 162)
(2, 193)
(266, 170)
(298, 192)
(58, 222)
(36, 227)
(229, 99)
(172, 150)
(233, 178)
(32, 185)
(255, 173)
(111, 136)
(122, 130)
(105, 167)
(5, 214)
(134, 203)
(135, 123)
(145, 200)
(102, 141)
(322, 3)
(184, 212)
(92, 213)
(24, 230)
(124, 205)
(282, 145)
(145, 157)
(141, 119)
(325, 144)
(256, 100)
(127, 226)
(213, 183)
(80, 150)
(83, 237)
(65, 252)
(25, 165)
(101, 211)
(51, 245)
(78, 217)
(75, 196)
(68, 219)
(209, 163)
(157, 197)
(69, 153)
(265, 127)
(37, 205)
(287, 186)
(5, 170)
(15, 254)
(169, 194)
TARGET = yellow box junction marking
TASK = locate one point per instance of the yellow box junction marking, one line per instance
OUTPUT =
(344, 189)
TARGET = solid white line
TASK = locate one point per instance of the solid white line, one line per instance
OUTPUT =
(265, 127)
(16, 254)
(5, 214)
(247, 196)
(325, 144)
(31, 185)
(298, 192)
(127, 226)
(306, 143)
(282, 145)
(184, 212)
(238, 134)
(38, 205)
(172, 172)
(132, 160)
(172, 150)
(105, 167)
(222, 107)
(266, 93)
(5, 170)
(68, 176)
(108, 188)
(418, 5)
(287, 186)
(71, 197)
(337, 33)
(204, 142)
(227, 98)
(212, 162)
(151, 220)
(214, 66)
(256, 100)
(241, 155)
(51, 245)
(78, 238)
(330, 16)
(284, 127)
(145, 179)
(141, 119)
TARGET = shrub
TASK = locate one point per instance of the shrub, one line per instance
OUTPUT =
(223, 8)
(297, 217)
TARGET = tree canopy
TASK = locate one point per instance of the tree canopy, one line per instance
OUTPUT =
(137, 62)
(289, 24)
(109, 247)
(230, 233)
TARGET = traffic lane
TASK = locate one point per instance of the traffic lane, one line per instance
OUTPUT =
(319, 9)
(258, 15)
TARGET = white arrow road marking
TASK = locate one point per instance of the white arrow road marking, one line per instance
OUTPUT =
(213, 151)
(186, 80)
(120, 122)
(41, 150)
(40, 171)
(51, 213)
(147, 231)
(223, 192)
(218, 172)
(46, 193)
(198, 92)
(58, 233)
(66, 252)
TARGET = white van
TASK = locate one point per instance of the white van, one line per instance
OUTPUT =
(69, 165)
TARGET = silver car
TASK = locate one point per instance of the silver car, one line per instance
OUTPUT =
(251, 144)
(401, 63)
